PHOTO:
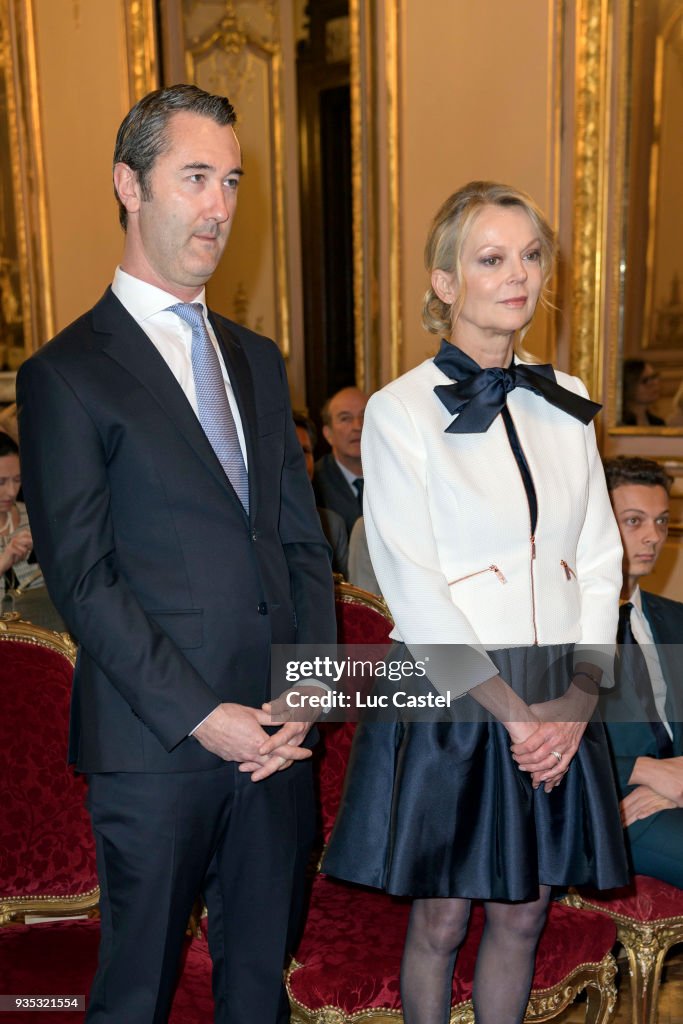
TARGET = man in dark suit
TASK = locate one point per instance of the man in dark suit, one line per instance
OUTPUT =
(332, 523)
(338, 476)
(643, 713)
(177, 531)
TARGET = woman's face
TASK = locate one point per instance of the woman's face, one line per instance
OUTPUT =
(10, 481)
(648, 387)
(501, 271)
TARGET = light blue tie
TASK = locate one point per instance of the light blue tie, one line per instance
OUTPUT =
(213, 407)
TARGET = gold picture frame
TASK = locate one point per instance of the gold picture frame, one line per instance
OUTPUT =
(610, 213)
(25, 279)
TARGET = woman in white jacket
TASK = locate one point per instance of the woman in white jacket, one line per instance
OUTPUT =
(494, 544)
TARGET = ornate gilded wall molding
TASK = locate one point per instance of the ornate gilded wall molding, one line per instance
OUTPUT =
(662, 321)
(631, 104)
(601, 123)
(617, 108)
(375, 99)
(26, 186)
(236, 53)
(362, 176)
(392, 84)
(141, 42)
(238, 45)
(591, 42)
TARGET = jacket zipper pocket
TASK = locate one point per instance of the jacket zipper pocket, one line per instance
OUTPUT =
(568, 571)
(489, 568)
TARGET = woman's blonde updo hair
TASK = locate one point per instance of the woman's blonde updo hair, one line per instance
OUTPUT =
(447, 235)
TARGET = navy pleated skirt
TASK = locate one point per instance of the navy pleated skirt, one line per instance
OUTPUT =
(439, 808)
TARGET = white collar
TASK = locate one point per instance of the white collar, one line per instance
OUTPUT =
(144, 300)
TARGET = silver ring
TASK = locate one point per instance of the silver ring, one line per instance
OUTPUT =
(556, 754)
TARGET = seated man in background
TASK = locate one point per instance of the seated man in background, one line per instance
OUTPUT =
(333, 525)
(643, 712)
(338, 476)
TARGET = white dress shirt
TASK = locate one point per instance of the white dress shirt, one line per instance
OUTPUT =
(643, 635)
(171, 336)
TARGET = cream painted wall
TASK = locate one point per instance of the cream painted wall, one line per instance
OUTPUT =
(474, 104)
(84, 96)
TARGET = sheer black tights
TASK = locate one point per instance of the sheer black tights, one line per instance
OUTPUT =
(505, 960)
(435, 931)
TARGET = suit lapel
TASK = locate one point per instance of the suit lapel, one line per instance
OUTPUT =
(127, 344)
(663, 633)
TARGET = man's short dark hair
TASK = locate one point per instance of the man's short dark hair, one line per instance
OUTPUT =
(143, 135)
(302, 420)
(8, 445)
(631, 469)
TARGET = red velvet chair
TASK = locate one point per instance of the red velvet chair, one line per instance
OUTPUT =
(346, 969)
(362, 617)
(59, 958)
(47, 851)
(649, 919)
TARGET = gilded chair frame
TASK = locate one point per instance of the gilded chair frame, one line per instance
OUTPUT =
(13, 627)
(646, 944)
(15, 909)
(349, 593)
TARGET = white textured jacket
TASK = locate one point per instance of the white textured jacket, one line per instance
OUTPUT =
(449, 534)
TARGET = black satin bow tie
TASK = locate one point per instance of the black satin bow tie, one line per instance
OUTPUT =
(479, 395)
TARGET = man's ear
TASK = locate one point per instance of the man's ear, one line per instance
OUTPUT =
(327, 434)
(127, 187)
(444, 286)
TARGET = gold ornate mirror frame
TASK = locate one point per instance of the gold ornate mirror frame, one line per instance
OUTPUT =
(25, 280)
(601, 106)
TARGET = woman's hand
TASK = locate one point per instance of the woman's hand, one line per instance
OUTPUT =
(520, 732)
(564, 721)
(18, 548)
(554, 735)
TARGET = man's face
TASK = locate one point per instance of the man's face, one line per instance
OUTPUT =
(642, 513)
(176, 238)
(347, 410)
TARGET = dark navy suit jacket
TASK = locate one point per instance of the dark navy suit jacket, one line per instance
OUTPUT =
(630, 738)
(332, 490)
(174, 593)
